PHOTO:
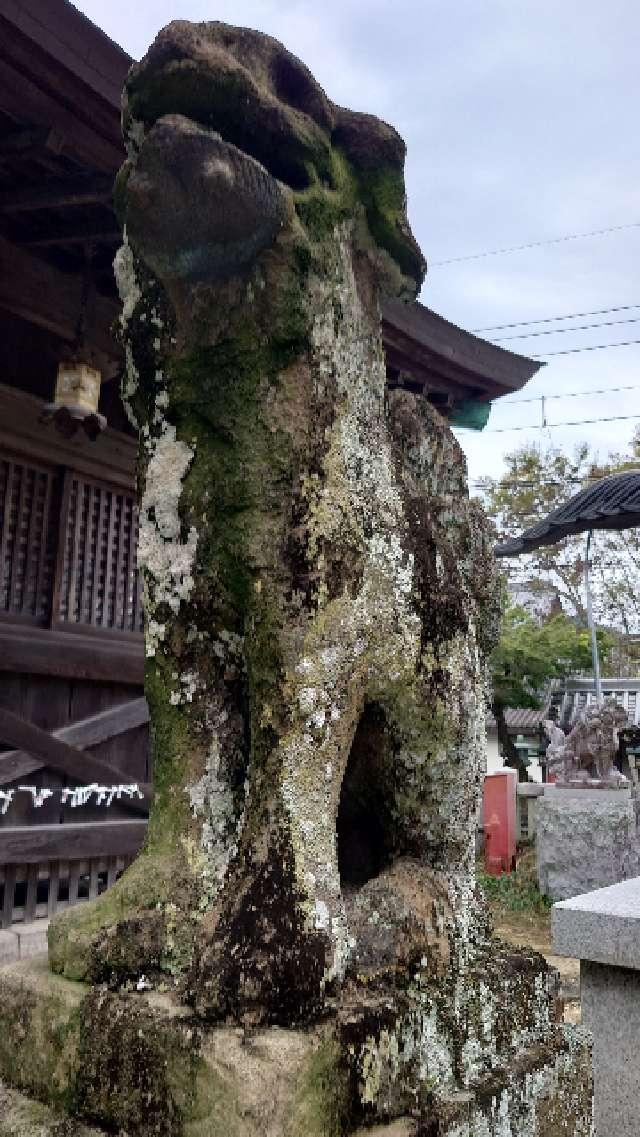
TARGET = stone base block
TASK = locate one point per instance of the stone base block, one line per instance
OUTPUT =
(9, 948)
(32, 938)
(23, 941)
(611, 1009)
(140, 1063)
(585, 839)
(22, 1117)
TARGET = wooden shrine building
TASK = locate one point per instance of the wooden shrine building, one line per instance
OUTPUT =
(72, 710)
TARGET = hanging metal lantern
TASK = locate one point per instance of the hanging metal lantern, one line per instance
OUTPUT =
(77, 392)
(76, 399)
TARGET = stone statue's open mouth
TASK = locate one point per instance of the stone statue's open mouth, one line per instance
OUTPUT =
(198, 208)
(245, 87)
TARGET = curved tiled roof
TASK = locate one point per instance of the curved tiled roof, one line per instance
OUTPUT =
(524, 720)
(610, 503)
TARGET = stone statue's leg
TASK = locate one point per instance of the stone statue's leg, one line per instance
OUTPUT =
(277, 937)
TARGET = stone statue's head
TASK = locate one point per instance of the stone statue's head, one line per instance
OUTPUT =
(231, 140)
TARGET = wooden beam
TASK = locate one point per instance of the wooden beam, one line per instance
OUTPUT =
(58, 755)
(86, 732)
(77, 235)
(58, 193)
(423, 372)
(38, 651)
(37, 91)
(41, 294)
(69, 38)
(70, 842)
(435, 370)
(32, 140)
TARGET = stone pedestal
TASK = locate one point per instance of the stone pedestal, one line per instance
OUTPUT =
(141, 1063)
(586, 839)
(602, 929)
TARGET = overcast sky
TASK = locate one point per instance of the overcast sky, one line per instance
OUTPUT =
(520, 118)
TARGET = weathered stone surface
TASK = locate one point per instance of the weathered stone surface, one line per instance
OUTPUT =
(319, 600)
(38, 1029)
(180, 236)
(399, 923)
(586, 839)
(22, 1117)
(139, 1063)
(319, 590)
(401, 1128)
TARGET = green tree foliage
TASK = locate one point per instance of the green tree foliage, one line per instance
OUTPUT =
(536, 482)
(530, 655)
(528, 658)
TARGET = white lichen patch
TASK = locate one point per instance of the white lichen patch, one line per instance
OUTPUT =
(130, 295)
(126, 280)
(212, 804)
(165, 556)
(523, 1108)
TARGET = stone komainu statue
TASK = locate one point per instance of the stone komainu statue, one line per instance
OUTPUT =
(587, 753)
(319, 595)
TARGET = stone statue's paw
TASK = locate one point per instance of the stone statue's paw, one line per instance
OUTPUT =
(399, 921)
(128, 931)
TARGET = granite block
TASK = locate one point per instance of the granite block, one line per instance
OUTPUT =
(585, 839)
(601, 926)
(611, 1010)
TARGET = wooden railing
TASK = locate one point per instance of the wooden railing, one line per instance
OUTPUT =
(44, 868)
(30, 888)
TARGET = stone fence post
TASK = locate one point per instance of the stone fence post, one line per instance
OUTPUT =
(602, 930)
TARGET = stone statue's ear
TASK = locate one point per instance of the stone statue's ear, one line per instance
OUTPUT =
(376, 153)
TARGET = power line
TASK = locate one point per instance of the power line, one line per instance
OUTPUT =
(575, 422)
(535, 244)
(553, 319)
(563, 331)
(594, 347)
(533, 482)
(576, 394)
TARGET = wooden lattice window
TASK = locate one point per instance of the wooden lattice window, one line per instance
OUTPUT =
(29, 510)
(99, 584)
(67, 550)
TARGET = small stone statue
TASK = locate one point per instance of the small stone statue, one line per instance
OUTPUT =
(586, 754)
(557, 753)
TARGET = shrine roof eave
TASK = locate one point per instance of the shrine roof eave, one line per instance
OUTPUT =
(449, 356)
